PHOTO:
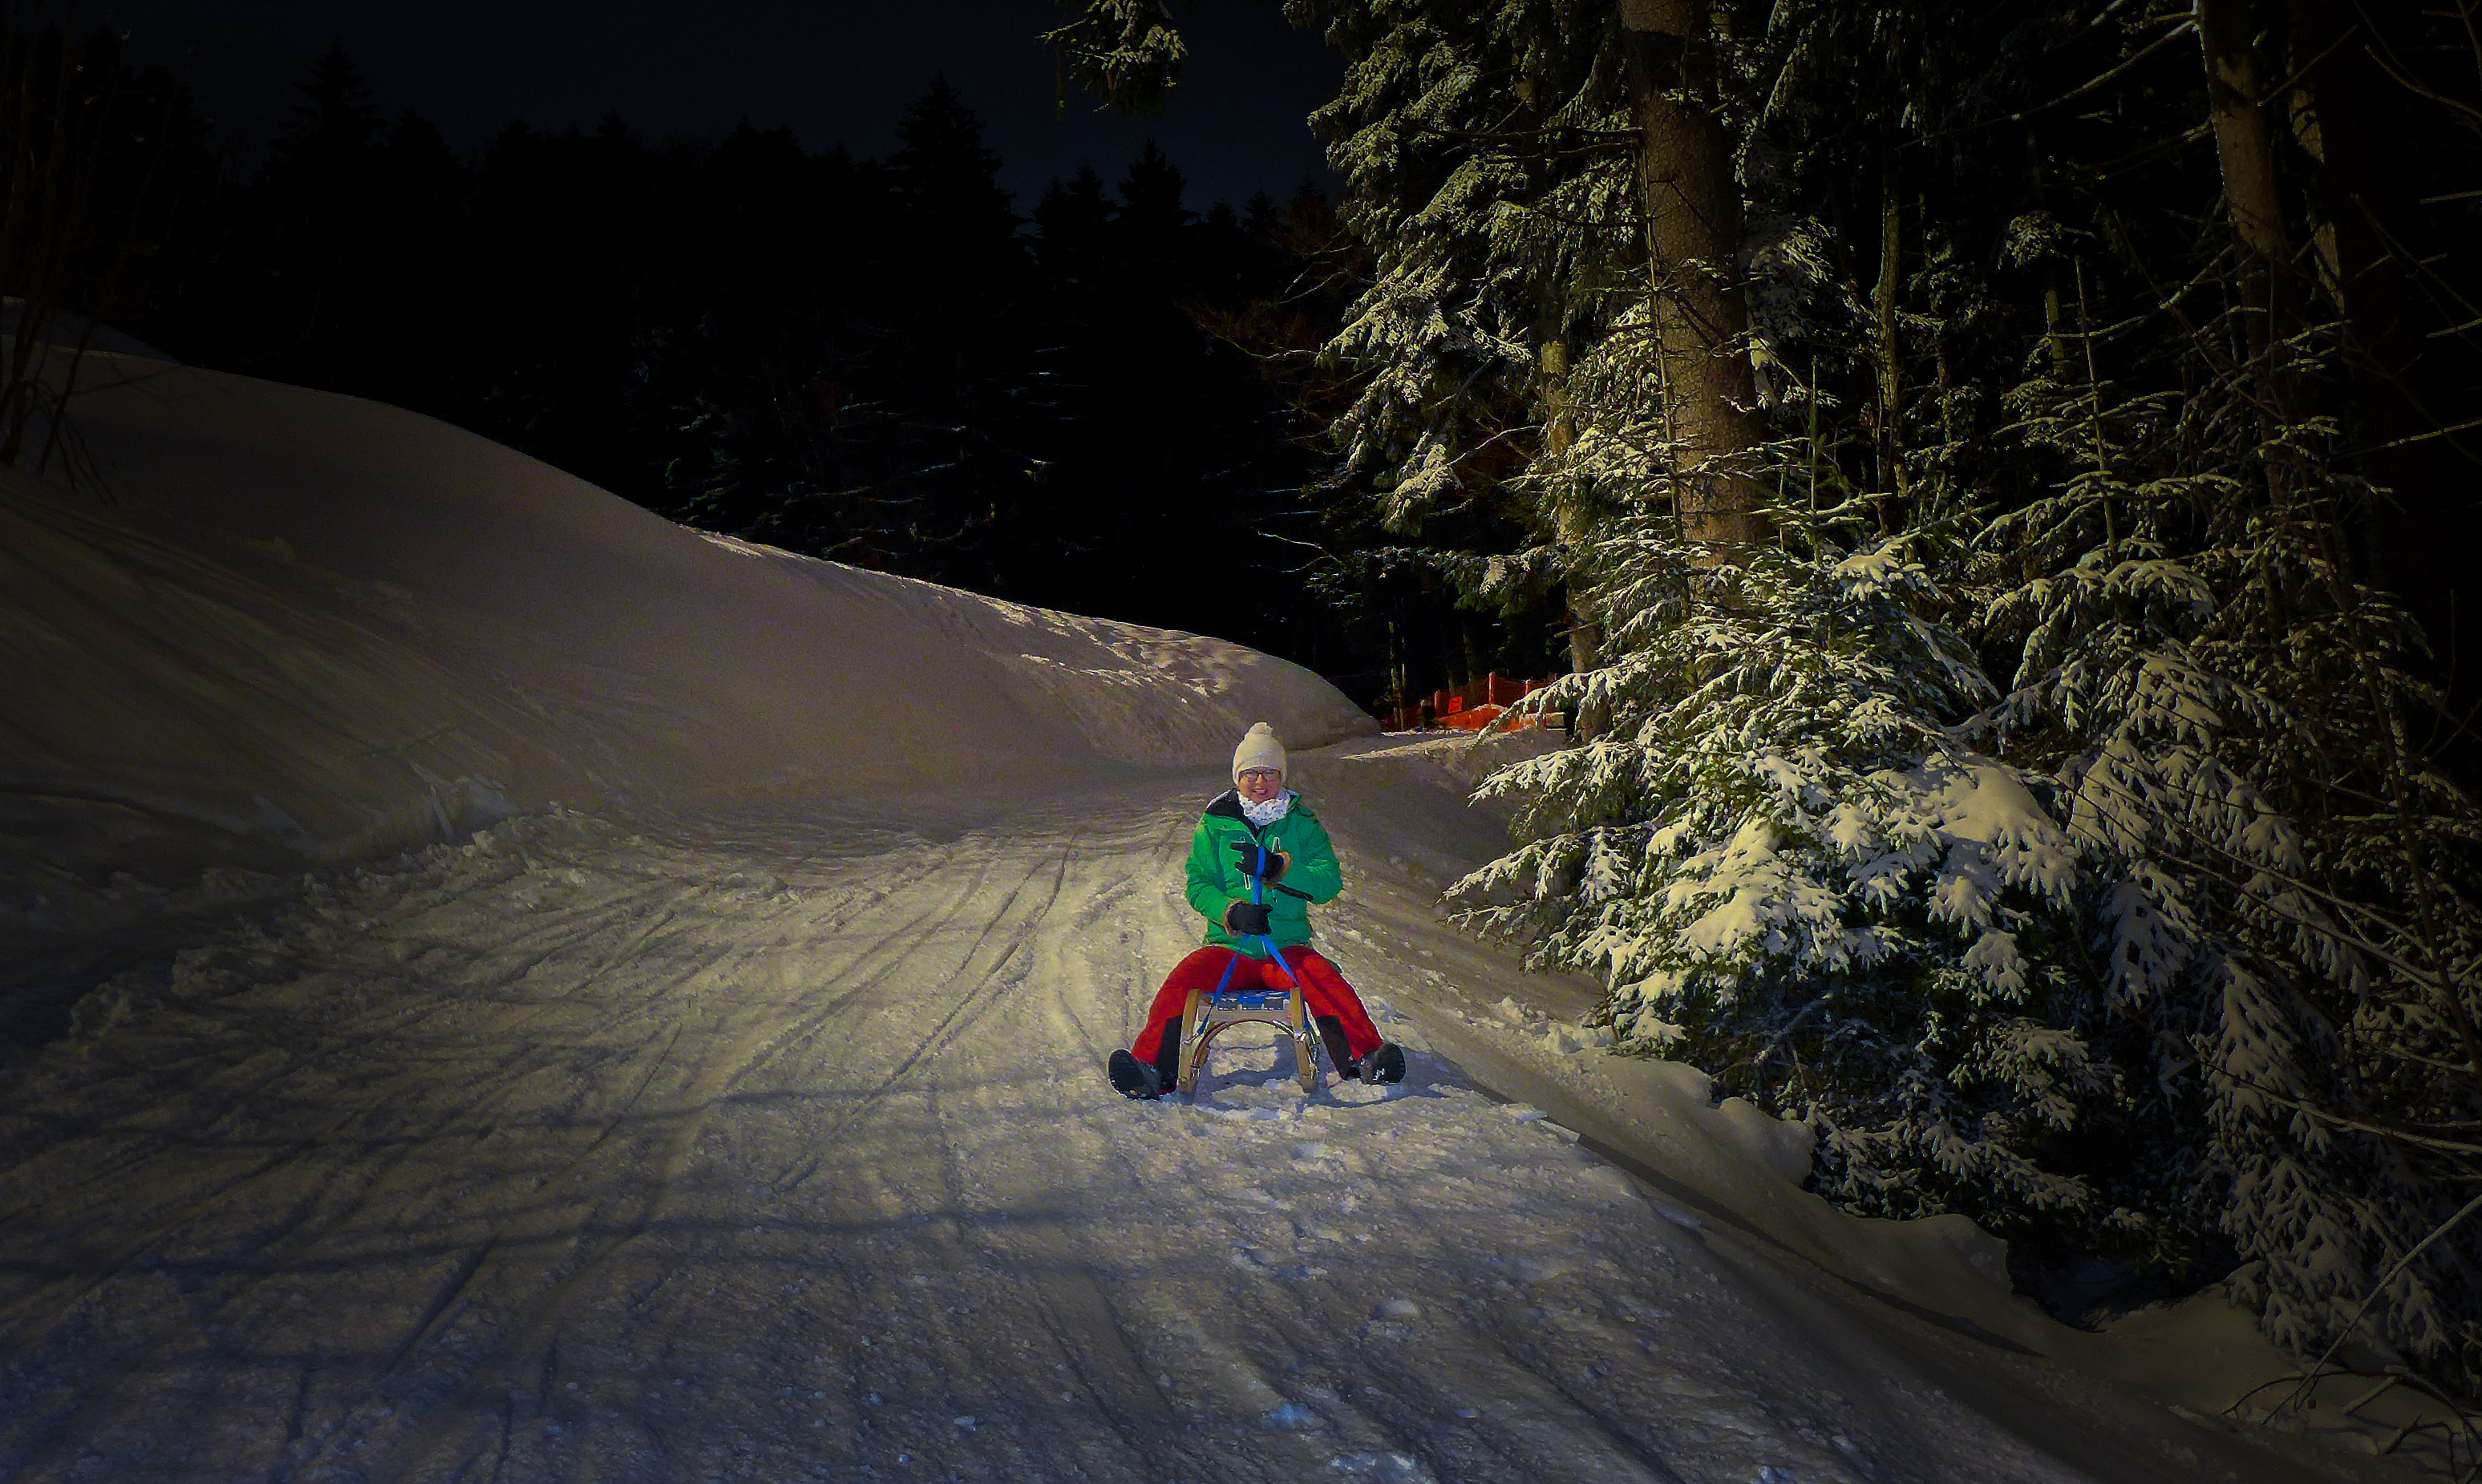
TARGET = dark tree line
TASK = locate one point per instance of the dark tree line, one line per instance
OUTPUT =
(877, 361)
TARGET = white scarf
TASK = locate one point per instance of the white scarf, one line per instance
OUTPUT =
(1268, 813)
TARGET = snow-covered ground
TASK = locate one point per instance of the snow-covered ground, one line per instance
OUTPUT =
(660, 1039)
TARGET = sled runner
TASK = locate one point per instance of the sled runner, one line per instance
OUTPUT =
(1209, 1012)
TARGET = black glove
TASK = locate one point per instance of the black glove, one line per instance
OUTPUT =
(1260, 860)
(1249, 919)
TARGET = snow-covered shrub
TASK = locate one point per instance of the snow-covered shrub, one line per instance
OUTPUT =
(1785, 856)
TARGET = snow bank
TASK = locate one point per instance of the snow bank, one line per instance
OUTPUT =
(303, 627)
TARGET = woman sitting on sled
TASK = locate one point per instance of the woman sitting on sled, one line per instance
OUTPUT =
(1263, 828)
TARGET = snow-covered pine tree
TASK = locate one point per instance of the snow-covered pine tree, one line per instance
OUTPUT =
(2285, 889)
(1488, 169)
(1786, 847)
(1780, 848)
(2283, 876)
(1785, 857)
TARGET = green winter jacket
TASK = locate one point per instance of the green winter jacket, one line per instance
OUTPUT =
(1216, 880)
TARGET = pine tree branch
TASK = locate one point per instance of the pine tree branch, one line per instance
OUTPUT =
(2146, 154)
(2334, 931)
(2402, 76)
(2344, 1331)
(1599, 138)
(2417, 1136)
(2384, 1048)
(2337, 932)
(2103, 80)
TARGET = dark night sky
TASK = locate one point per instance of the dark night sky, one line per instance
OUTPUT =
(832, 72)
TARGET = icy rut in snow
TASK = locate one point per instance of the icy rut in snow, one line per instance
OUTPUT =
(578, 1154)
(781, 1151)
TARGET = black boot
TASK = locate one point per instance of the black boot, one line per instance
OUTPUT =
(1340, 1051)
(1168, 1060)
(1384, 1064)
(1132, 1078)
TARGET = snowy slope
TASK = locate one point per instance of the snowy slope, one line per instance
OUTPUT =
(302, 625)
(740, 1117)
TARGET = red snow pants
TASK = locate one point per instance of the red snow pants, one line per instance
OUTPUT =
(1324, 992)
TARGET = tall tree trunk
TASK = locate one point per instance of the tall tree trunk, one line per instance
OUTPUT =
(1693, 230)
(2270, 299)
(1891, 445)
(2419, 532)
(1571, 525)
(2245, 147)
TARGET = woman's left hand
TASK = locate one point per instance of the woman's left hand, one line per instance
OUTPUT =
(1258, 861)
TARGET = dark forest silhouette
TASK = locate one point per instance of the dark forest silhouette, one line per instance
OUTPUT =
(877, 361)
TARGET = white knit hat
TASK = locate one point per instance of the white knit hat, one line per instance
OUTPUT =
(1259, 749)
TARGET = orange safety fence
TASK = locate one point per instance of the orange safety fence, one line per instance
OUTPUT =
(1469, 707)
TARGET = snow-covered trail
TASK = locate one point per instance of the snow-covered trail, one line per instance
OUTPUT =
(781, 1151)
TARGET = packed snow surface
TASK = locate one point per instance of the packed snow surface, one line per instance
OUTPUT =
(662, 1041)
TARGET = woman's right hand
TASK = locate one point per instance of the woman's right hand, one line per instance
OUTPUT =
(1249, 919)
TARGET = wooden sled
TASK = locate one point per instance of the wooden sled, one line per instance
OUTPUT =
(1210, 1011)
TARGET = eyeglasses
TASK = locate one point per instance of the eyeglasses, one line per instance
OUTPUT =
(1260, 774)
